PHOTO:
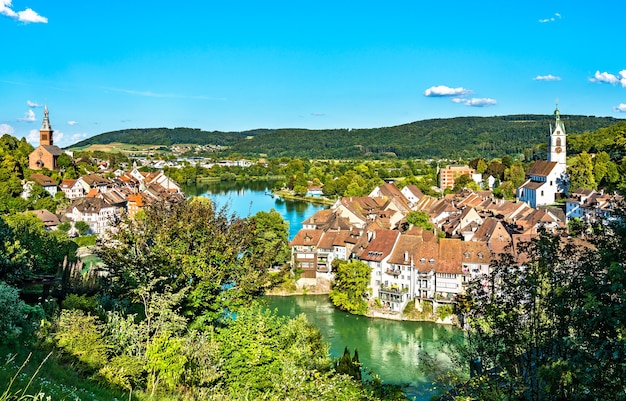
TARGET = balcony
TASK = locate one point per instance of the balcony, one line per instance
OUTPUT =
(393, 272)
(394, 289)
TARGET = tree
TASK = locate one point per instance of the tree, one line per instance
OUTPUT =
(419, 219)
(188, 244)
(581, 173)
(82, 227)
(350, 287)
(552, 328)
(270, 243)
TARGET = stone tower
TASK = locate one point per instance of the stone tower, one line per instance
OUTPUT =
(45, 133)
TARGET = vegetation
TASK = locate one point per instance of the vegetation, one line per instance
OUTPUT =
(473, 136)
(552, 329)
(350, 286)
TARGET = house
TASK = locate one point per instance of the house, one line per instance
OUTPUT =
(46, 154)
(46, 182)
(449, 174)
(590, 205)
(412, 193)
(396, 285)
(376, 254)
(304, 252)
(50, 220)
(94, 211)
(547, 179)
(72, 189)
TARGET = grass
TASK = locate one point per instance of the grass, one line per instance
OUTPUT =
(34, 375)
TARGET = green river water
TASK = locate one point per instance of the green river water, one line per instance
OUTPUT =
(388, 348)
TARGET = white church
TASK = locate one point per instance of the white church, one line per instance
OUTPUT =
(548, 178)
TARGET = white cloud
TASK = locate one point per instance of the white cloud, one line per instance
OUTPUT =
(58, 137)
(6, 10)
(25, 16)
(6, 128)
(33, 137)
(72, 122)
(551, 19)
(442, 90)
(33, 104)
(621, 108)
(78, 137)
(548, 77)
(29, 15)
(475, 101)
(609, 78)
(28, 116)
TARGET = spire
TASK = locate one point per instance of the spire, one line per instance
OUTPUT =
(45, 133)
(45, 126)
(557, 113)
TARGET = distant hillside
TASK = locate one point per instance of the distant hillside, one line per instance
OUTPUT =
(167, 137)
(464, 137)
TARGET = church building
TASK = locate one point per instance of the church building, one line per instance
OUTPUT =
(546, 179)
(46, 155)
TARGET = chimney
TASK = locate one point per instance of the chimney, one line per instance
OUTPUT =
(406, 256)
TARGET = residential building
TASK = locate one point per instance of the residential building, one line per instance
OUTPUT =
(450, 173)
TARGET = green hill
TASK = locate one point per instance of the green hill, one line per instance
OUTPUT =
(461, 137)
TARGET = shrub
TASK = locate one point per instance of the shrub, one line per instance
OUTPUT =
(82, 336)
(16, 317)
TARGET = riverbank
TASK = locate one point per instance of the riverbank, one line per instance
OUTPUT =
(320, 286)
(320, 200)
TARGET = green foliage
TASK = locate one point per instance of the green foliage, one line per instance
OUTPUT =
(82, 227)
(165, 362)
(350, 286)
(553, 329)
(581, 173)
(28, 249)
(445, 310)
(188, 244)
(17, 318)
(82, 336)
(419, 219)
(270, 243)
(347, 365)
(82, 302)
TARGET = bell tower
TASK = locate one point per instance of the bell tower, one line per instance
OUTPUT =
(45, 133)
(557, 142)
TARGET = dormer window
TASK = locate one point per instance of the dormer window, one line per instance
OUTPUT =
(423, 260)
(432, 261)
(480, 255)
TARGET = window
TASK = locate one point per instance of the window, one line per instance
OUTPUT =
(558, 141)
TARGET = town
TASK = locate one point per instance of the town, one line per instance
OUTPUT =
(463, 232)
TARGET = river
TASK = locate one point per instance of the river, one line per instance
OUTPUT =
(388, 348)
(248, 198)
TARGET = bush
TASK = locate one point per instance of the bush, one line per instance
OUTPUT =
(16, 317)
(82, 302)
(83, 337)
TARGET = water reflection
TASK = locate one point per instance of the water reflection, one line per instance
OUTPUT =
(391, 349)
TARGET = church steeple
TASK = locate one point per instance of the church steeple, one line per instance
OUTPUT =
(557, 150)
(45, 133)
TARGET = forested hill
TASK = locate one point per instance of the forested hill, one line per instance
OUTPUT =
(464, 137)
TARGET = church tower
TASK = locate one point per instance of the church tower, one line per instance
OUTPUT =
(557, 149)
(45, 133)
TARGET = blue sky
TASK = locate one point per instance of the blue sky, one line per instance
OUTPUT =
(102, 66)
